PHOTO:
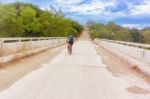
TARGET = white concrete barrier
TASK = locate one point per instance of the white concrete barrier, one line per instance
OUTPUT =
(12, 48)
(137, 51)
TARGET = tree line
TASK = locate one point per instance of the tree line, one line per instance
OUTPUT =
(116, 32)
(27, 20)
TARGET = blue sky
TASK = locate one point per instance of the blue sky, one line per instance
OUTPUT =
(128, 13)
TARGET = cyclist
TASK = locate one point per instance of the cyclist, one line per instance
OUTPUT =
(70, 40)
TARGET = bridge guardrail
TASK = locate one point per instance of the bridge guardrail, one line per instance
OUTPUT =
(10, 46)
(135, 50)
(138, 45)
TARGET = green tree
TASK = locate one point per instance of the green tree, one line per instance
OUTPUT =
(110, 31)
(10, 24)
(27, 20)
(30, 22)
(136, 35)
(146, 35)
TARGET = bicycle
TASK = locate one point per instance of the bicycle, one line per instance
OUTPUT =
(70, 48)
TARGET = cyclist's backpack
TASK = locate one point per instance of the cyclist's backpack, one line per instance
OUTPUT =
(71, 39)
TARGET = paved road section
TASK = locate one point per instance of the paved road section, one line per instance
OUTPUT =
(81, 75)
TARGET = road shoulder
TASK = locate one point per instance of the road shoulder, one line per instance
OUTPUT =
(17, 69)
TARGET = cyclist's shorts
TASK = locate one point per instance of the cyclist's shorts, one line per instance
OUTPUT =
(71, 43)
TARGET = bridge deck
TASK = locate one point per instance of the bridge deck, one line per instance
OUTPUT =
(81, 75)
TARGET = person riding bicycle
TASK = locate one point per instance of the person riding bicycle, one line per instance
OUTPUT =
(70, 40)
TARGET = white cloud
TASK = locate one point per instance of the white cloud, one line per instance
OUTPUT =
(94, 7)
(134, 26)
(68, 2)
(141, 9)
(100, 7)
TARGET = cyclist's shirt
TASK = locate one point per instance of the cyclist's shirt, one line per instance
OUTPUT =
(70, 39)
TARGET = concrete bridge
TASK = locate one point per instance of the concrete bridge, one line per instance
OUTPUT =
(41, 68)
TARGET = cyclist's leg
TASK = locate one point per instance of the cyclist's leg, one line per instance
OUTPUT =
(69, 48)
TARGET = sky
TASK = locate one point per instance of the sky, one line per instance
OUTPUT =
(128, 13)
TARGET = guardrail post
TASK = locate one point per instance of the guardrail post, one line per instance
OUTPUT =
(143, 53)
(128, 46)
(20, 42)
(39, 42)
(30, 43)
(1, 48)
(137, 46)
(58, 42)
(51, 42)
(16, 44)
